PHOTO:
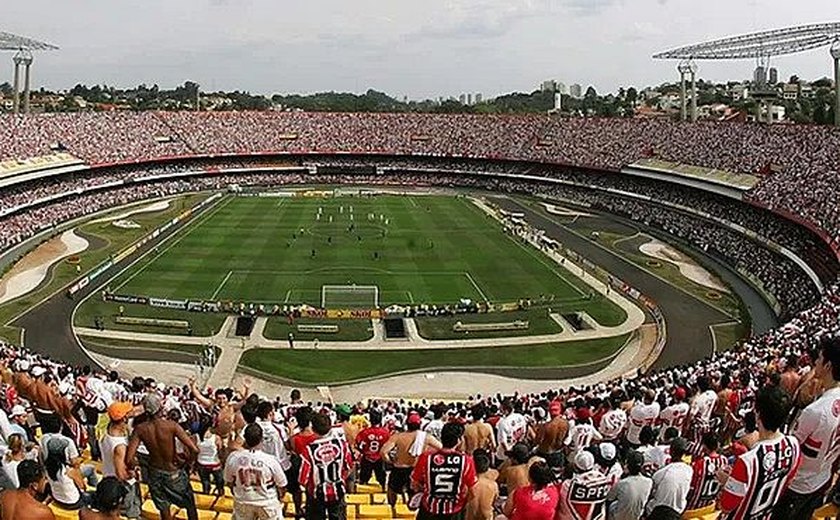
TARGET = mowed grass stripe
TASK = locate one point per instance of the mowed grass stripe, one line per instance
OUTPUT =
(257, 240)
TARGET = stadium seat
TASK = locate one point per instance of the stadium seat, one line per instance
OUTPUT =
(63, 514)
(149, 511)
(202, 515)
(826, 511)
(403, 511)
(698, 513)
(357, 499)
(374, 511)
(368, 488)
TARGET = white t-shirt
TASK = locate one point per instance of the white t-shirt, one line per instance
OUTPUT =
(670, 487)
(63, 489)
(273, 445)
(10, 467)
(612, 424)
(818, 431)
(208, 452)
(703, 406)
(581, 435)
(255, 477)
(641, 415)
(512, 429)
(434, 428)
(673, 416)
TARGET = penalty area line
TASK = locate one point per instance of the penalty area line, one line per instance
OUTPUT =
(219, 288)
(477, 288)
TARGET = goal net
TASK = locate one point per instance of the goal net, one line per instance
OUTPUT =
(349, 296)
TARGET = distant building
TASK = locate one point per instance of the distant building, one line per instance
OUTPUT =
(548, 85)
(774, 75)
(463, 99)
(469, 98)
(790, 91)
(562, 88)
(760, 76)
(558, 102)
(478, 98)
(576, 91)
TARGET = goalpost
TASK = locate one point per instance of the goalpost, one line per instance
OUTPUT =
(349, 296)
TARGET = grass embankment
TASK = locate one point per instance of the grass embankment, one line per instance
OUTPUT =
(332, 366)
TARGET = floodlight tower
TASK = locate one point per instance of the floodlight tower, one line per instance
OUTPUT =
(17, 59)
(27, 63)
(683, 68)
(835, 54)
(692, 70)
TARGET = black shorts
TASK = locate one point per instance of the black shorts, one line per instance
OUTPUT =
(368, 468)
(292, 474)
(400, 480)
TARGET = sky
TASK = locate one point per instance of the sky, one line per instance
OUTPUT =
(420, 49)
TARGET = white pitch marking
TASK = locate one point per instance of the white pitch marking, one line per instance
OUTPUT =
(477, 288)
(410, 296)
(219, 288)
(288, 295)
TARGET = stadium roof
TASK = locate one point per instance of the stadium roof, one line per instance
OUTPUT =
(759, 45)
(13, 42)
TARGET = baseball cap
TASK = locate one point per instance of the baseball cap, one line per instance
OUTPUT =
(119, 409)
(343, 410)
(17, 411)
(608, 451)
(555, 408)
(679, 393)
(38, 371)
(584, 461)
(414, 418)
(519, 452)
(151, 404)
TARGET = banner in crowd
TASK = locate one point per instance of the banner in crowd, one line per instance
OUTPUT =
(167, 303)
(353, 314)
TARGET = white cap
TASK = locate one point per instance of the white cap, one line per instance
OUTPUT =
(607, 450)
(17, 410)
(584, 461)
(38, 371)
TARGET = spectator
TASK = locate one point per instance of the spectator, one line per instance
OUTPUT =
(537, 500)
(777, 454)
(444, 477)
(671, 485)
(585, 494)
(816, 430)
(25, 503)
(256, 477)
(108, 501)
(324, 477)
(628, 498)
(114, 464)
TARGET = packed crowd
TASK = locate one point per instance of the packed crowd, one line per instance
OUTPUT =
(779, 275)
(804, 157)
(655, 446)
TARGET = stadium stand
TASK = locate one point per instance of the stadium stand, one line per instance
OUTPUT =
(582, 433)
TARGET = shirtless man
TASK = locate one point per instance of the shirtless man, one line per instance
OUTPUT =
(514, 472)
(484, 495)
(23, 503)
(169, 483)
(403, 462)
(478, 434)
(552, 434)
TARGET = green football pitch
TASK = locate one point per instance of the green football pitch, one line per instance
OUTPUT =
(413, 249)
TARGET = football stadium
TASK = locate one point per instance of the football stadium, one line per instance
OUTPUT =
(361, 314)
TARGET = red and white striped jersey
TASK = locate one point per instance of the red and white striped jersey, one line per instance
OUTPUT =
(325, 464)
(445, 478)
(582, 497)
(759, 477)
(581, 436)
(704, 483)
